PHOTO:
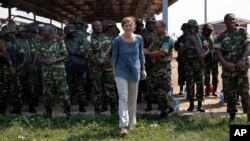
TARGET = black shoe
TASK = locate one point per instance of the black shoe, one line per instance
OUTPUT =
(16, 111)
(81, 108)
(166, 112)
(180, 93)
(214, 94)
(97, 110)
(232, 117)
(199, 108)
(32, 109)
(149, 106)
(104, 108)
(68, 112)
(48, 113)
(191, 106)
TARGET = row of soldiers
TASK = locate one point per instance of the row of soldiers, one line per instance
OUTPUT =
(37, 62)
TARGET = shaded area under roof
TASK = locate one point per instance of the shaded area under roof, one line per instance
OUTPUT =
(90, 10)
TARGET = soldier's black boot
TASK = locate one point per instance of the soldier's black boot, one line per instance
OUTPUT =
(16, 111)
(165, 112)
(104, 107)
(48, 113)
(81, 108)
(199, 108)
(214, 90)
(191, 106)
(97, 110)
(32, 108)
(149, 106)
(232, 117)
(67, 112)
(113, 109)
(207, 90)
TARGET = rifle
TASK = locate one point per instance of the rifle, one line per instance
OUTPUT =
(198, 49)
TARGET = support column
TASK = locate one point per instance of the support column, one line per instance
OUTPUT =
(205, 12)
(165, 12)
(9, 14)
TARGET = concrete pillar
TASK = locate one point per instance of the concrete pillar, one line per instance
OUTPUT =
(165, 12)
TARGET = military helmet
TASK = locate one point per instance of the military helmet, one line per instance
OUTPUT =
(78, 20)
(21, 28)
(208, 26)
(151, 19)
(184, 25)
(192, 23)
(69, 28)
(8, 28)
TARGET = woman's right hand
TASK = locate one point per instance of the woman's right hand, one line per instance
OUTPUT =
(143, 75)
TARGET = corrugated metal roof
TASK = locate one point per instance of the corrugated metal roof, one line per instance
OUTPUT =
(66, 10)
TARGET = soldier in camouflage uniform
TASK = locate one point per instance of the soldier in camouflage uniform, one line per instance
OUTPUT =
(211, 59)
(160, 54)
(77, 49)
(181, 59)
(100, 67)
(11, 59)
(195, 51)
(81, 27)
(232, 47)
(139, 26)
(148, 35)
(52, 55)
(25, 69)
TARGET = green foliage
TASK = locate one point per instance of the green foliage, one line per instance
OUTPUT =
(105, 127)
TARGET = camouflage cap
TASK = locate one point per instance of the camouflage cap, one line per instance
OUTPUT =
(8, 28)
(192, 23)
(78, 20)
(21, 28)
(151, 19)
(184, 25)
(208, 26)
(69, 28)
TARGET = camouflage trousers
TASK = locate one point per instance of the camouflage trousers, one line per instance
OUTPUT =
(76, 86)
(54, 85)
(236, 83)
(194, 75)
(9, 86)
(211, 68)
(103, 85)
(161, 84)
(181, 72)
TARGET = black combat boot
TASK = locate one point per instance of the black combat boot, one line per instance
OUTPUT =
(97, 110)
(199, 108)
(149, 105)
(104, 106)
(67, 112)
(48, 113)
(165, 112)
(207, 90)
(191, 105)
(232, 117)
(113, 108)
(81, 108)
(214, 90)
(32, 108)
(16, 111)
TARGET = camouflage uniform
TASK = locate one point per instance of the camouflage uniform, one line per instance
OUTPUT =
(194, 68)
(181, 59)
(76, 48)
(148, 37)
(234, 82)
(13, 79)
(211, 61)
(101, 71)
(160, 79)
(53, 75)
(25, 70)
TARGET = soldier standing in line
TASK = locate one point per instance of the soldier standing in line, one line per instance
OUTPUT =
(195, 53)
(139, 26)
(211, 60)
(102, 73)
(160, 54)
(232, 47)
(76, 65)
(25, 69)
(148, 35)
(52, 55)
(181, 59)
(11, 59)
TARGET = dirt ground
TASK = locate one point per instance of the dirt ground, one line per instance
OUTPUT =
(211, 104)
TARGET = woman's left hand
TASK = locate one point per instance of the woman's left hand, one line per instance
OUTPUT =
(143, 75)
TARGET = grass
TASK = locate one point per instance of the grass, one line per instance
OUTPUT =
(105, 127)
